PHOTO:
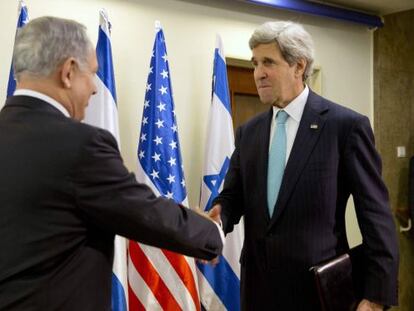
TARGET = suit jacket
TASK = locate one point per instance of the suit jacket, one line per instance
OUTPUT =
(329, 161)
(64, 194)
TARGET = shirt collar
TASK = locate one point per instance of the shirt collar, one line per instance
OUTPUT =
(295, 108)
(41, 96)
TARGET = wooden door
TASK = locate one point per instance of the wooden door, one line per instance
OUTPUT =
(245, 102)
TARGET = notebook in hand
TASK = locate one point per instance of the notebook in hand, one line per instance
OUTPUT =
(336, 282)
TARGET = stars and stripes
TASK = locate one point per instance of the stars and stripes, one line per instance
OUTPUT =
(160, 279)
(102, 111)
(23, 19)
(220, 285)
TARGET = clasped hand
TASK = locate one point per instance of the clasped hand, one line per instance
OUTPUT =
(366, 305)
(213, 215)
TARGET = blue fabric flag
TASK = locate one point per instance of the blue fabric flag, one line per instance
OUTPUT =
(102, 111)
(220, 285)
(23, 19)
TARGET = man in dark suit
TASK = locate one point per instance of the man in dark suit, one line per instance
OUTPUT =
(298, 220)
(64, 191)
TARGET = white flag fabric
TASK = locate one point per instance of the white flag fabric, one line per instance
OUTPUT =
(220, 285)
(102, 111)
(22, 20)
(160, 279)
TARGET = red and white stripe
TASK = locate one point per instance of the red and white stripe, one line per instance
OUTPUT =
(159, 279)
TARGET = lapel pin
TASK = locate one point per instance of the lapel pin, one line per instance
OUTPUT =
(314, 126)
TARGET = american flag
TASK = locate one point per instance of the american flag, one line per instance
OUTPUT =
(23, 19)
(159, 279)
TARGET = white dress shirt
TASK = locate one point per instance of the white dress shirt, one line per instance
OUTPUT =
(295, 110)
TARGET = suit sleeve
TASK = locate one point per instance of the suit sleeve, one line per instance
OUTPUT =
(380, 246)
(231, 197)
(112, 200)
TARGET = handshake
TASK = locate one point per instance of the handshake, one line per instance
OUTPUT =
(214, 215)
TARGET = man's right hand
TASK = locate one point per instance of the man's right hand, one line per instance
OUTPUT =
(366, 305)
(214, 214)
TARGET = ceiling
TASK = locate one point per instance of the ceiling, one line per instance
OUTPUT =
(377, 7)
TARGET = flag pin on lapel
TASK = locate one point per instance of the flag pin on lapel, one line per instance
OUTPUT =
(314, 126)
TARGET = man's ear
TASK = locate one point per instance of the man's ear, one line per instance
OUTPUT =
(67, 72)
(300, 67)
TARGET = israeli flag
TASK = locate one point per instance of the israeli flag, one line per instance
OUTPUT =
(102, 111)
(220, 285)
(23, 19)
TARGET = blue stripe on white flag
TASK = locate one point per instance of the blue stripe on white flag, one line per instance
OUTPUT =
(214, 182)
(225, 283)
(104, 56)
(102, 109)
(118, 302)
(23, 19)
(102, 112)
(221, 88)
(223, 289)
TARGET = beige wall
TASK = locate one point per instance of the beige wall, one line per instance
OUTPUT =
(343, 51)
(394, 120)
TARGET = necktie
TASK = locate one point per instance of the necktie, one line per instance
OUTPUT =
(277, 159)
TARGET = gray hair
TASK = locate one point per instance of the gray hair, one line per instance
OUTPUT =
(46, 42)
(294, 42)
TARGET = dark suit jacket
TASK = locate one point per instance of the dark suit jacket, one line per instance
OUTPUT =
(64, 194)
(326, 165)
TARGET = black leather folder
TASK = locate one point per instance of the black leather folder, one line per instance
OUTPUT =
(338, 280)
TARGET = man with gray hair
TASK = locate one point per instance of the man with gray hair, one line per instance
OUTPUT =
(291, 174)
(64, 191)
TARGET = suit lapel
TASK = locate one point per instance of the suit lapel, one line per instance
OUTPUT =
(263, 159)
(310, 128)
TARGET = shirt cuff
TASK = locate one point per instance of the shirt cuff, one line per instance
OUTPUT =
(221, 232)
